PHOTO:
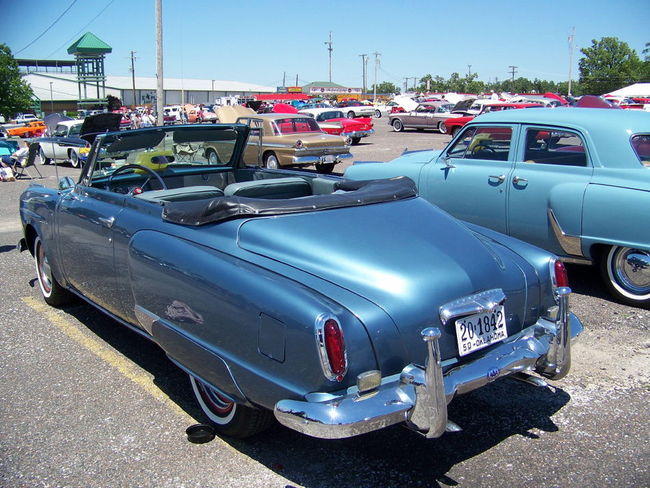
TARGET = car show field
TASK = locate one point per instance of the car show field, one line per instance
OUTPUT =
(86, 401)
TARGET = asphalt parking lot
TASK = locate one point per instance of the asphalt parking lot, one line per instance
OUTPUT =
(86, 402)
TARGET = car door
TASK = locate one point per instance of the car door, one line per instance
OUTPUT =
(86, 219)
(547, 188)
(469, 178)
(254, 146)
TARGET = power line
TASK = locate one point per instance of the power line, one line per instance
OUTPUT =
(74, 37)
(50, 26)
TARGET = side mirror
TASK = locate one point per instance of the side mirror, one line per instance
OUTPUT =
(66, 183)
(445, 159)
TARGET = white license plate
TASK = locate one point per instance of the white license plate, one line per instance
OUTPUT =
(328, 159)
(475, 332)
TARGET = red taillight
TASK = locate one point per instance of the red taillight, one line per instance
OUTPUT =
(335, 348)
(561, 277)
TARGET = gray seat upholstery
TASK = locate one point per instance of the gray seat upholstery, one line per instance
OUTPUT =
(181, 194)
(292, 187)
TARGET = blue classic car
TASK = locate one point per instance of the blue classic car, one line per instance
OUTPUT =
(573, 181)
(340, 306)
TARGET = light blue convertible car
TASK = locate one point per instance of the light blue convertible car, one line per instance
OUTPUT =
(340, 306)
(573, 181)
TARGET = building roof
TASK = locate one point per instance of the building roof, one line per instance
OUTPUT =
(64, 85)
(89, 43)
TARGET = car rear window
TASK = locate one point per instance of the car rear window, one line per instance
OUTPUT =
(641, 146)
(296, 125)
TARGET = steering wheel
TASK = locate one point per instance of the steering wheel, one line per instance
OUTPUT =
(151, 173)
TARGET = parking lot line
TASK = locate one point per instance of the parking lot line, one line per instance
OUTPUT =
(121, 364)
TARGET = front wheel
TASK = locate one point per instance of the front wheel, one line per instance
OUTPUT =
(442, 127)
(213, 157)
(355, 140)
(378, 114)
(229, 418)
(350, 114)
(397, 125)
(53, 293)
(626, 273)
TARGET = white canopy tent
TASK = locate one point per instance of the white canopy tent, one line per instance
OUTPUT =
(635, 90)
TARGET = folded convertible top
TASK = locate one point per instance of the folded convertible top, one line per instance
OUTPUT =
(349, 194)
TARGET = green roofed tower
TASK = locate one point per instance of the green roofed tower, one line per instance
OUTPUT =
(89, 52)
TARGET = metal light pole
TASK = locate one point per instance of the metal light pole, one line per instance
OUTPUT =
(51, 99)
(374, 95)
(329, 48)
(571, 38)
(364, 62)
(133, 76)
(159, 58)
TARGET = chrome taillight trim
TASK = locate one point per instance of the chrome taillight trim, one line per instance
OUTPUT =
(319, 332)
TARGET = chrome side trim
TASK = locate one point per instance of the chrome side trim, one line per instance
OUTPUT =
(482, 302)
(146, 318)
(569, 244)
(415, 395)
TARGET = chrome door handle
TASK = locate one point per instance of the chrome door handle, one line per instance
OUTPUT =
(501, 178)
(517, 179)
(107, 221)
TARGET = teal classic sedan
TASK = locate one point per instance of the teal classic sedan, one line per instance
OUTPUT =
(573, 181)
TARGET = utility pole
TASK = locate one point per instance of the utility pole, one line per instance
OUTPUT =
(296, 80)
(364, 62)
(415, 78)
(513, 70)
(160, 94)
(133, 76)
(51, 98)
(329, 48)
(284, 78)
(406, 83)
(374, 96)
(571, 39)
(469, 70)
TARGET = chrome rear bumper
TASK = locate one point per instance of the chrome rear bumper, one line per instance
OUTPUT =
(419, 395)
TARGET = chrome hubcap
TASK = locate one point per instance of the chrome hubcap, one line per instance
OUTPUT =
(631, 269)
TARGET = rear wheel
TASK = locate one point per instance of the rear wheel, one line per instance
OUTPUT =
(397, 125)
(271, 161)
(213, 157)
(42, 157)
(53, 293)
(355, 140)
(442, 127)
(74, 159)
(378, 114)
(325, 168)
(350, 114)
(626, 272)
(229, 418)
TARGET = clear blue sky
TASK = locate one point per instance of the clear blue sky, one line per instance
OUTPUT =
(257, 41)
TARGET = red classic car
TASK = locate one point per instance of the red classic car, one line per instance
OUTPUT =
(455, 124)
(334, 121)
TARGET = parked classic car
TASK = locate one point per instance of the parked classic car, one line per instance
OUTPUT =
(30, 129)
(428, 115)
(289, 140)
(573, 181)
(343, 307)
(355, 108)
(333, 121)
(453, 125)
(66, 141)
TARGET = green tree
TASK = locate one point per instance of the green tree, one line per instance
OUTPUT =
(15, 94)
(386, 87)
(607, 65)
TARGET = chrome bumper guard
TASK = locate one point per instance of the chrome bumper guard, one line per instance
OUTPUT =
(419, 395)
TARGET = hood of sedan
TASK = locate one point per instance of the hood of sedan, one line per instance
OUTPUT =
(407, 257)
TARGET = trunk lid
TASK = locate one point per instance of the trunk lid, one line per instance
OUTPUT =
(409, 266)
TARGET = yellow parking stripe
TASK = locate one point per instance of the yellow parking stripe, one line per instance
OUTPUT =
(117, 361)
